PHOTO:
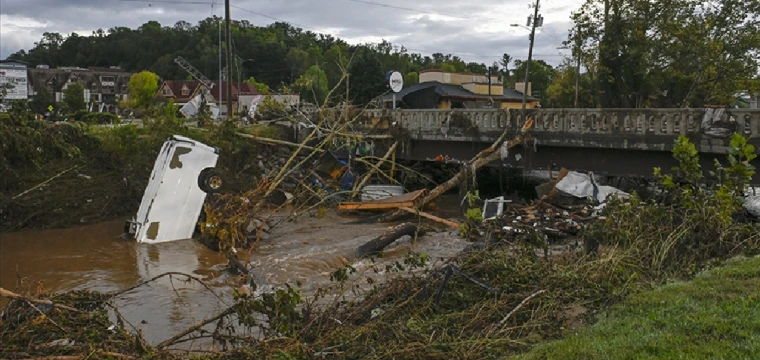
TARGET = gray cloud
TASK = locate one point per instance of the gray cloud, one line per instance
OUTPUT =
(479, 31)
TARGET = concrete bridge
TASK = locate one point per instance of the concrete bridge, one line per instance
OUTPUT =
(620, 142)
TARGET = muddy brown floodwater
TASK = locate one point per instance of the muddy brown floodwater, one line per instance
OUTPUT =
(94, 257)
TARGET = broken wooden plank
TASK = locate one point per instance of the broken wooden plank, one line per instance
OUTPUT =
(430, 216)
(393, 202)
(373, 206)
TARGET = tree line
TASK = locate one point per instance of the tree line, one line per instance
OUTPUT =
(632, 53)
(276, 58)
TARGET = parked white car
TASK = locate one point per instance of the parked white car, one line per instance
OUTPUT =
(182, 176)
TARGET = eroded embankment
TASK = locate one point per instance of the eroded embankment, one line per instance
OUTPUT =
(69, 174)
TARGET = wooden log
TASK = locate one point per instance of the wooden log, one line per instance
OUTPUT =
(430, 216)
(376, 245)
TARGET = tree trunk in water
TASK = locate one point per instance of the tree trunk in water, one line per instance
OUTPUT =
(379, 243)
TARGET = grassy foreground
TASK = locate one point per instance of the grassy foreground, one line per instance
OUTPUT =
(715, 316)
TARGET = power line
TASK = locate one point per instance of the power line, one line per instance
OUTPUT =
(409, 9)
(184, 2)
(196, 2)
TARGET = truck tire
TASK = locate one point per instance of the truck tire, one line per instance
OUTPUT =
(211, 181)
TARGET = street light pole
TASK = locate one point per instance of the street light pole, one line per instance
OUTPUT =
(229, 56)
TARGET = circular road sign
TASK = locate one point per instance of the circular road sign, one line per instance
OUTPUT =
(396, 81)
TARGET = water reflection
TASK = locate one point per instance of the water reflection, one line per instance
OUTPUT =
(93, 257)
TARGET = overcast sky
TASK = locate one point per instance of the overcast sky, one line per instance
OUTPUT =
(474, 30)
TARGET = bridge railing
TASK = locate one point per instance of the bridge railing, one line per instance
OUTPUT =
(577, 121)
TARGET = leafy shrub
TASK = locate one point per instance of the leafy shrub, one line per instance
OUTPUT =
(270, 109)
(690, 224)
(100, 118)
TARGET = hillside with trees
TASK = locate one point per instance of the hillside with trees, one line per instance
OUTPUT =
(280, 56)
(632, 53)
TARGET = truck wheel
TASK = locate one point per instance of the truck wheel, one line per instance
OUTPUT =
(211, 181)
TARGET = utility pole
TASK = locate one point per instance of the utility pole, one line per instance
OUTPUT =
(577, 71)
(238, 60)
(534, 22)
(489, 80)
(229, 55)
(219, 22)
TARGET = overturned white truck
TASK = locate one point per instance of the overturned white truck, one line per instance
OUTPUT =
(182, 176)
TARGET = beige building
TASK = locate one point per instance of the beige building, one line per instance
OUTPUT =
(452, 90)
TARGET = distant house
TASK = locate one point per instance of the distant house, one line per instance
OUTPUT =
(104, 87)
(182, 91)
(449, 90)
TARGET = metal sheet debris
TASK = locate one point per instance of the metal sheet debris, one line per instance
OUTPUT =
(752, 205)
(584, 186)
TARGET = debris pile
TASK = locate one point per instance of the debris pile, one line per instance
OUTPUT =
(546, 218)
(72, 323)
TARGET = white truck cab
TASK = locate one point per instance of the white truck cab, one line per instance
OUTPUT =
(173, 200)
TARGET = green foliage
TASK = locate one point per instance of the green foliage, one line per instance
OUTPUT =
(4, 90)
(261, 88)
(474, 217)
(280, 308)
(561, 91)
(28, 144)
(73, 97)
(689, 226)
(448, 67)
(739, 171)
(270, 109)
(505, 62)
(367, 80)
(142, 89)
(714, 316)
(541, 75)
(116, 161)
(668, 53)
(41, 100)
(313, 85)
(411, 78)
(100, 118)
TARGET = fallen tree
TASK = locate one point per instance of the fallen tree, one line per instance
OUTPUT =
(494, 152)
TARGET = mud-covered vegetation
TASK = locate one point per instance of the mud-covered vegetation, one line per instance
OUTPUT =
(71, 173)
(500, 300)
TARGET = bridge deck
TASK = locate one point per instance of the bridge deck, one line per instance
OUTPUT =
(627, 142)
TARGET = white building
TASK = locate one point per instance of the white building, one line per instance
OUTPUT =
(13, 80)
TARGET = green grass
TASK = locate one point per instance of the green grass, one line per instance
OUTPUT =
(715, 316)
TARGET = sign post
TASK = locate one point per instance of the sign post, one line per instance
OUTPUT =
(396, 82)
